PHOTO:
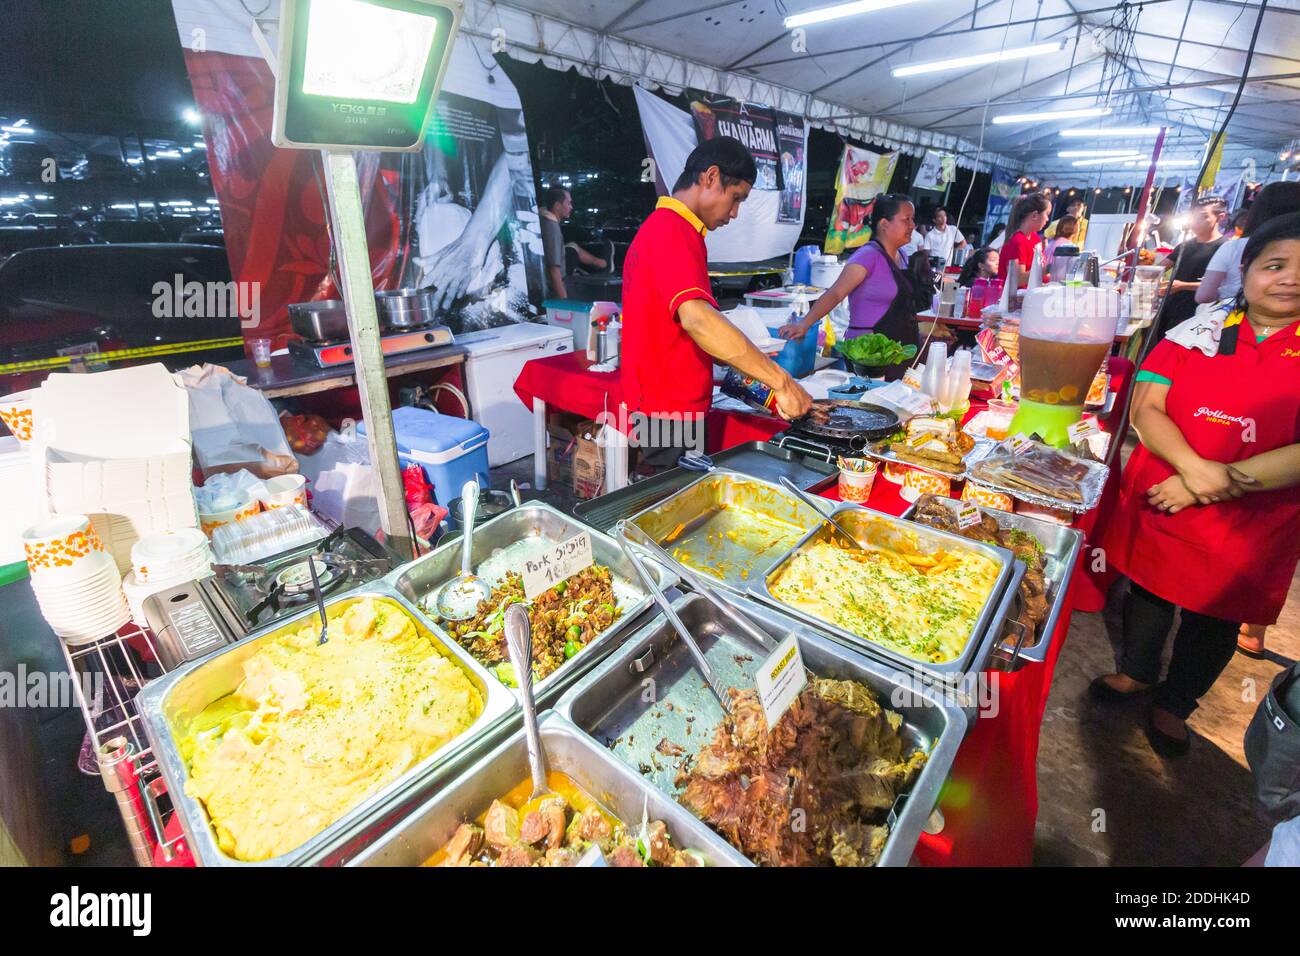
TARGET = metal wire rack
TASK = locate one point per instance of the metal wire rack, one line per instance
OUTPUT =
(108, 673)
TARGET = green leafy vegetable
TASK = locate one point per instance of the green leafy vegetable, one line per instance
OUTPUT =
(875, 349)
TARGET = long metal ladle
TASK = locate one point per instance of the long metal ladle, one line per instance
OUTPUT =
(647, 582)
(519, 645)
(459, 598)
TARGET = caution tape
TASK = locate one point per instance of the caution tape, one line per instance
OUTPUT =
(118, 355)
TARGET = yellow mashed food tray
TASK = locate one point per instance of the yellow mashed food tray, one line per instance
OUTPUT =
(314, 728)
(922, 606)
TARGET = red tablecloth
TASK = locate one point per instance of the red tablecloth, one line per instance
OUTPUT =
(990, 804)
(566, 383)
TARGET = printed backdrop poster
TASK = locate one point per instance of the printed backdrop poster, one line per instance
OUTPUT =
(790, 138)
(937, 170)
(1004, 189)
(460, 216)
(863, 175)
(753, 125)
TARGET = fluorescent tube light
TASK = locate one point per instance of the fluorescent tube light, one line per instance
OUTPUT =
(839, 10)
(1112, 131)
(1052, 115)
(979, 59)
(1095, 153)
(1108, 161)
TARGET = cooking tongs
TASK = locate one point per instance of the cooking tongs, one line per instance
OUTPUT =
(648, 582)
(698, 583)
(812, 503)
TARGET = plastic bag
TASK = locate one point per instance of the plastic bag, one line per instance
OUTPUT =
(233, 426)
(346, 488)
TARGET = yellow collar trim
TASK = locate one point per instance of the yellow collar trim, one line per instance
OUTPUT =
(683, 210)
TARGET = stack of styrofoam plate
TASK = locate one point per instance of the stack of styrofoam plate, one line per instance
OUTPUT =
(161, 560)
(77, 583)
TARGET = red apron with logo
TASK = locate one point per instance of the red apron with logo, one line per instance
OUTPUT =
(1233, 560)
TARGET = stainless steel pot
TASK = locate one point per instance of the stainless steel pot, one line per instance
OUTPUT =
(323, 321)
(405, 308)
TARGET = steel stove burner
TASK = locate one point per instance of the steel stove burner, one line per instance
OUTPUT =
(295, 579)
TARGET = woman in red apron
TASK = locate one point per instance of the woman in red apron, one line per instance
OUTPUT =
(1209, 510)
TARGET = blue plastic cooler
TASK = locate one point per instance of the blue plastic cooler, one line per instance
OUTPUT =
(449, 450)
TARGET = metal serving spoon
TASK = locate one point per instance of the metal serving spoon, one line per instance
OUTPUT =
(519, 645)
(459, 598)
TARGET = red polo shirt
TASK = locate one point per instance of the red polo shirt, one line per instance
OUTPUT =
(663, 370)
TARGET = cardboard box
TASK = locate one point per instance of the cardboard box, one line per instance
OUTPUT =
(588, 463)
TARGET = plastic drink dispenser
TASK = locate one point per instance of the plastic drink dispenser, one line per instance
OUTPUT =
(1066, 332)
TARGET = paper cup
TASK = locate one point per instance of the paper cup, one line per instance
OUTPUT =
(61, 543)
(16, 413)
(918, 483)
(211, 521)
(895, 472)
(283, 490)
(856, 486)
(986, 498)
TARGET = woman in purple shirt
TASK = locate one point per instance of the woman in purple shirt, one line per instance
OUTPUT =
(878, 288)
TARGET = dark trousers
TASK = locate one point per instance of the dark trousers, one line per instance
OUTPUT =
(671, 445)
(1202, 648)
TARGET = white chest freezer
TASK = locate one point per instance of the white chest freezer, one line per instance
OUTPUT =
(495, 359)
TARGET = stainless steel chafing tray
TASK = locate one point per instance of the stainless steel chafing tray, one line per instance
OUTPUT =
(502, 544)
(873, 528)
(729, 526)
(168, 704)
(569, 751)
(1061, 547)
(612, 704)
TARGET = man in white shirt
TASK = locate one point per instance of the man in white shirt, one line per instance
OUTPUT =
(940, 239)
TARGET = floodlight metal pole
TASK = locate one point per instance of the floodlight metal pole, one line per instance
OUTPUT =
(347, 225)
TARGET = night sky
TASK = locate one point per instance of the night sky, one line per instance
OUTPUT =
(88, 59)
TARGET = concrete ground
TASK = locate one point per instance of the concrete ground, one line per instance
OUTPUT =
(1104, 796)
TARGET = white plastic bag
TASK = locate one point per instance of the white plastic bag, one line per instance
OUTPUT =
(234, 426)
(343, 485)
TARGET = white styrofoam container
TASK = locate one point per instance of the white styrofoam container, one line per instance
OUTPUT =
(81, 483)
(20, 494)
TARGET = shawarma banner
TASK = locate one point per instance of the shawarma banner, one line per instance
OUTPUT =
(791, 135)
(752, 124)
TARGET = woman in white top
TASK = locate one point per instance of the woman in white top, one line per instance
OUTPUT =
(1222, 279)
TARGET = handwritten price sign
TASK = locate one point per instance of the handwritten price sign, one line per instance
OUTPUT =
(557, 564)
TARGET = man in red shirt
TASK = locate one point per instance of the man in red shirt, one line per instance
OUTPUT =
(672, 329)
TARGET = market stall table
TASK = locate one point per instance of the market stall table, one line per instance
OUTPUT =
(291, 375)
(990, 805)
(567, 383)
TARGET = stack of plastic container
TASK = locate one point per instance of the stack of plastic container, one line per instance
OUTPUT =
(115, 446)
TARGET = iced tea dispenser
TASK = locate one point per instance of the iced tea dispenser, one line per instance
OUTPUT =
(1066, 332)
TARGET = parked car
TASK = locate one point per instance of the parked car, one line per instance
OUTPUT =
(69, 300)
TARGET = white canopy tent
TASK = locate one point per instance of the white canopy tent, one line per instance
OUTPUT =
(1164, 62)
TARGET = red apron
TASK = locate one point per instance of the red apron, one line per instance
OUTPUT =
(1234, 560)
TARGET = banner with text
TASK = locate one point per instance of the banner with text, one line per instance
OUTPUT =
(1004, 189)
(790, 137)
(753, 125)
